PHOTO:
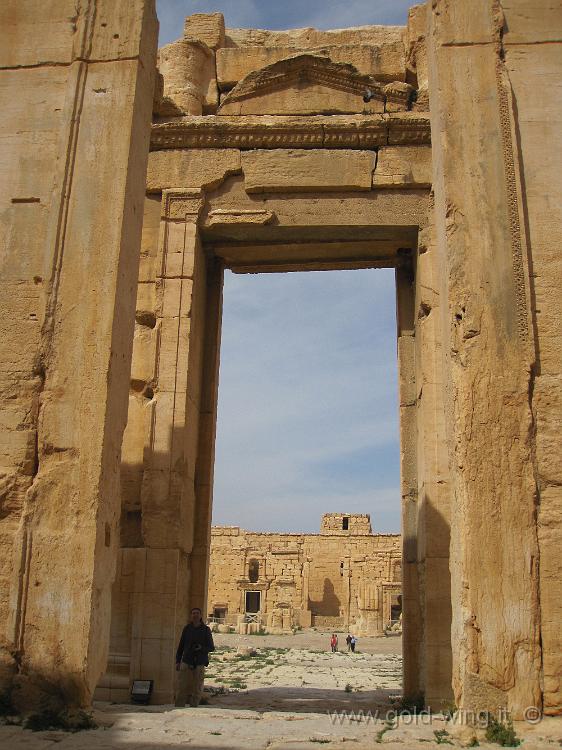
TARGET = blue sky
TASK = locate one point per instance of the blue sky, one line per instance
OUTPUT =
(287, 14)
(308, 403)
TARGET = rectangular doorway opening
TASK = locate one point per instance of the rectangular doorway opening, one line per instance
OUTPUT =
(253, 602)
(307, 456)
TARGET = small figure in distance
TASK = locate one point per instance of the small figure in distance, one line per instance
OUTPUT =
(192, 657)
(348, 641)
(353, 643)
(334, 643)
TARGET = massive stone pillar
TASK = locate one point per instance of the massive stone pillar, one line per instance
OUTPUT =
(532, 49)
(77, 88)
(166, 477)
(489, 337)
(204, 469)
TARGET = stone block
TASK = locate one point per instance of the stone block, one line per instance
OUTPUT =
(306, 99)
(157, 662)
(407, 373)
(163, 497)
(535, 23)
(307, 38)
(135, 442)
(196, 168)
(102, 694)
(146, 304)
(174, 298)
(403, 167)
(206, 27)
(133, 569)
(163, 424)
(150, 238)
(119, 695)
(177, 251)
(192, 447)
(276, 170)
(37, 33)
(385, 62)
(438, 668)
(161, 571)
(173, 362)
(437, 602)
(158, 614)
(143, 363)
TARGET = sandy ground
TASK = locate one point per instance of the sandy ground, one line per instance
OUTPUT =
(292, 694)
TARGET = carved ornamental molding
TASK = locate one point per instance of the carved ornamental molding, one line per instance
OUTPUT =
(319, 131)
(182, 204)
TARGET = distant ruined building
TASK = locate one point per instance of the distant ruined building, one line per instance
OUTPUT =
(346, 577)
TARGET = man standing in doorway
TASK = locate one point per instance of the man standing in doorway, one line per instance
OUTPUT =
(192, 657)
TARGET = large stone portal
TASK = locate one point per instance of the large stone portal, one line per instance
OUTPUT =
(427, 148)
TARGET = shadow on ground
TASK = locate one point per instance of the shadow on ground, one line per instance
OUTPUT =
(305, 700)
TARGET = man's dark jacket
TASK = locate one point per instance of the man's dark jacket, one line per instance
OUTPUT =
(195, 644)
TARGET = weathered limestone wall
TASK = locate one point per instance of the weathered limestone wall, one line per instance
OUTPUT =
(335, 579)
(496, 228)
(76, 88)
(533, 65)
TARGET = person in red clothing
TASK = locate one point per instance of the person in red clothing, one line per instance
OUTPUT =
(334, 643)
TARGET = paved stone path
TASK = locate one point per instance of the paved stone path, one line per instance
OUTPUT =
(289, 696)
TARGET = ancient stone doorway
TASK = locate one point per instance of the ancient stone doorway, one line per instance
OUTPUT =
(253, 602)
(258, 175)
(191, 236)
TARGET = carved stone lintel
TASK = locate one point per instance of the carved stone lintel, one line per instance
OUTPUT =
(408, 128)
(182, 204)
(398, 96)
(358, 131)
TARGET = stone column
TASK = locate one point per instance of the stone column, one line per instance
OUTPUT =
(156, 577)
(77, 107)
(204, 469)
(432, 476)
(411, 601)
(186, 67)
